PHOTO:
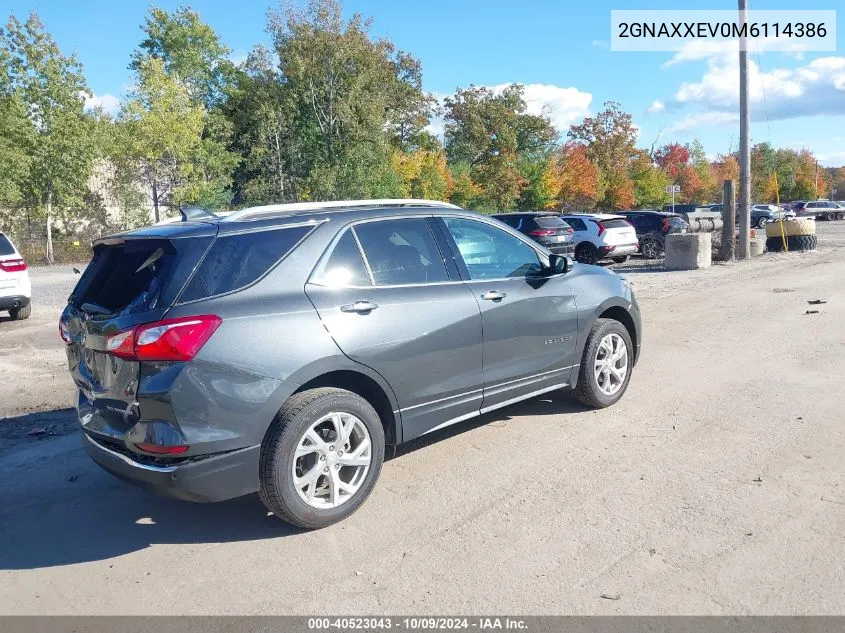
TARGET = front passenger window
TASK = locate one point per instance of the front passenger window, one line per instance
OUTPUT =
(491, 253)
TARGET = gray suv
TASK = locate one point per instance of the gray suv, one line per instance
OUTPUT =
(284, 350)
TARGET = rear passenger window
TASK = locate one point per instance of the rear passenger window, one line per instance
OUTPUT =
(6, 247)
(576, 224)
(401, 252)
(344, 267)
(235, 261)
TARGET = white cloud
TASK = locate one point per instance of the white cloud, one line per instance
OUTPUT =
(601, 44)
(698, 50)
(817, 88)
(563, 106)
(832, 159)
(656, 106)
(108, 102)
(697, 119)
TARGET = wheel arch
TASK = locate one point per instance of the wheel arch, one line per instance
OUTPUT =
(618, 310)
(359, 380)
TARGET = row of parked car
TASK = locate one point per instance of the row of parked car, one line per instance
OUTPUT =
(762, 214)
(592, 237)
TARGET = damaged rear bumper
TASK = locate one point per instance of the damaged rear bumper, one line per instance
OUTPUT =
(213, 478)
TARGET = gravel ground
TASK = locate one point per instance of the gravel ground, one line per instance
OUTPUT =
(716, 486)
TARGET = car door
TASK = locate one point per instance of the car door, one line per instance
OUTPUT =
(384, 294)
(529, 320)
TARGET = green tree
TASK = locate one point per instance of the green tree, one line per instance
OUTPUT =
(158, 136)
(493, 134)
(348, 96)
(17, 140)
(650, 182)
(191, 51)
(50, 89)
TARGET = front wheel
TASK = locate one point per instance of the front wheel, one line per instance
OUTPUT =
(761, 222)
(321, 457)
(620, 260)
(605, 365)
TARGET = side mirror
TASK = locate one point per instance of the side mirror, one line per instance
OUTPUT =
(558, 264)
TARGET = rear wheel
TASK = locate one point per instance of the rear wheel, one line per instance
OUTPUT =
(19, 314)
(586, 253)
(321, 457)
(620, 260)
(831, 216)
(605, 365)
(650, 247)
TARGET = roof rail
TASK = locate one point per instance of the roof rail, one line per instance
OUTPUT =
(335, 204)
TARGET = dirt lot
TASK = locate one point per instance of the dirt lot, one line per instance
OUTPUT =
(717, 485)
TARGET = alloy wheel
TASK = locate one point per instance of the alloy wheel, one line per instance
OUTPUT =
(331, 460)
(611, 364)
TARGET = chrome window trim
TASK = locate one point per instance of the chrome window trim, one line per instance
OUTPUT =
(483, 220)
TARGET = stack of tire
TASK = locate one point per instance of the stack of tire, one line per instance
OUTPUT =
(800, 235)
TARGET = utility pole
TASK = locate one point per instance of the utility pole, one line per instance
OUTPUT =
(744, 202)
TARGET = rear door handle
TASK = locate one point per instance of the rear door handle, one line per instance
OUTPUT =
(361, 307)
(493, 295)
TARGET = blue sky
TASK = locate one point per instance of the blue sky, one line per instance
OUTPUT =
(557, 48)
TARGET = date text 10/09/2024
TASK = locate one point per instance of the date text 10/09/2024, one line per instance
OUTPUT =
(418, 623)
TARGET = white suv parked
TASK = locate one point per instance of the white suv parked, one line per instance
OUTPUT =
(15, 290)
(599, 236)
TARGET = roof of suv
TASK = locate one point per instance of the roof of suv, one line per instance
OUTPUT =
(296, 213)
(593, 216)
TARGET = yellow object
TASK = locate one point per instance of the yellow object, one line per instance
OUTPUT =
(800, 226)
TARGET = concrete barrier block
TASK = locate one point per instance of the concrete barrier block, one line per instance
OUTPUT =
(688, 251)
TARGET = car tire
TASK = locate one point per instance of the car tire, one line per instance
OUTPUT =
(19, 314)
(650, 247)
(840, 215)
(286, 437)
(620, 260)
(762, 222)
(589, 390)
(831, 216)
(793, 243)
(586, 253)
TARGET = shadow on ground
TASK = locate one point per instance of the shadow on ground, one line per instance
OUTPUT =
(35, 427)
(62, 509)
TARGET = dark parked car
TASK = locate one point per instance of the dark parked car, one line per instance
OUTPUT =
(544, 228)
(652, 227)
(284, 348)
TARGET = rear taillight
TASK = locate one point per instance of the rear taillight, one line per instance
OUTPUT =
(13, 265)
(665, 226)
(163, 450)
(542, 232)
(169, 340)
(600, 225)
